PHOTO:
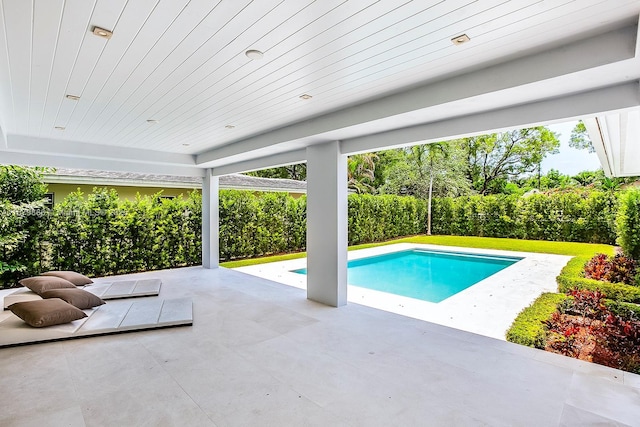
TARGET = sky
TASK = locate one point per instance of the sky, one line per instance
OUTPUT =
(569, 161)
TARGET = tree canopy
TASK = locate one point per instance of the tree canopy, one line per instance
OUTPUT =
(494, 159)
(580, 138)
(499, 163)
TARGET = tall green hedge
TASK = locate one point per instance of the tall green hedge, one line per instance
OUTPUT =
(628, 223)
(99, 234)
(586, 216)
(379, 218)
(23, 221)
(253, 225)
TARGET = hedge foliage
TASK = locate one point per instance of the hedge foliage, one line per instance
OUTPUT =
(615, 291)
(252, 225)
(628, 223)
(99, 234)
(23, 221)
(572, 277)
(575, 216)
(528, 328)
(379, 218)
(623, 309)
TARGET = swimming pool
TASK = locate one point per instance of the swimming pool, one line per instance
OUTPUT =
(423, 274)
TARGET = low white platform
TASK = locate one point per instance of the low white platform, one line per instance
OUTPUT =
(110, 318)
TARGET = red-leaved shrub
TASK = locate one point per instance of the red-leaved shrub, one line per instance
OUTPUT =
(619, 269)
(597, 267)
(584, 328)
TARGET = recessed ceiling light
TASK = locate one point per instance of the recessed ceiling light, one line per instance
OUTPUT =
(229, 127)
(152, 121)
(60, 128)
(463, 38)
(254, 54)
(305, 96)
(73, 97)
(101, 32)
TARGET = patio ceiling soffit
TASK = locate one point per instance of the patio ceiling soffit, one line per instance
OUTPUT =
(586, 78)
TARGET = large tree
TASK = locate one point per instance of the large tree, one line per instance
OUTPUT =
(434, 153)
(496, 158)
(414, 167)
(361, 172)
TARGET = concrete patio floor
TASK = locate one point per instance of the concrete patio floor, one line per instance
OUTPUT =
(260, 354)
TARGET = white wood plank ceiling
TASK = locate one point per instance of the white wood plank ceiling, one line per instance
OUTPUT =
(182, 63)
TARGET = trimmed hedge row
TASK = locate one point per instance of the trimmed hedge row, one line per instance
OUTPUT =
(584, 216)
(615, 291)
(22, 222)
(252, 225)
(572, 277)
(628, 223)
(623, 309)
(100, 234)
(380, 218)
(528, 328)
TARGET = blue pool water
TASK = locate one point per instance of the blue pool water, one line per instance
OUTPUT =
(427, 275)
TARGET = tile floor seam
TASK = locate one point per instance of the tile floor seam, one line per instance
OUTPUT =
(73, 380)
(175, 380)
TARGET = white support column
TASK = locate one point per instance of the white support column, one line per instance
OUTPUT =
(327, 224)
(210, 221)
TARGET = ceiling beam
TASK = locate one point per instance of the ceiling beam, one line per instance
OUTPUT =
(275, 160)
(597, 51)
(58, 147)
(620, 97)
(55, 161)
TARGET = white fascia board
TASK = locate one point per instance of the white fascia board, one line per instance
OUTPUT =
(56, 161)
(599, 142)
(612, 47)
(624, 96)
(79, 150)
(275, 160)
(84, 180)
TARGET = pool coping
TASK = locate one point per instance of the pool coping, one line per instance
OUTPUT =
(486, 308)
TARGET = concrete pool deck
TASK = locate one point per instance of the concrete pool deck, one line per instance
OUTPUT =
(486, 308)
(260, 353)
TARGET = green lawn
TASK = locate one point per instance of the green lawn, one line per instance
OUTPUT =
(581, 250)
